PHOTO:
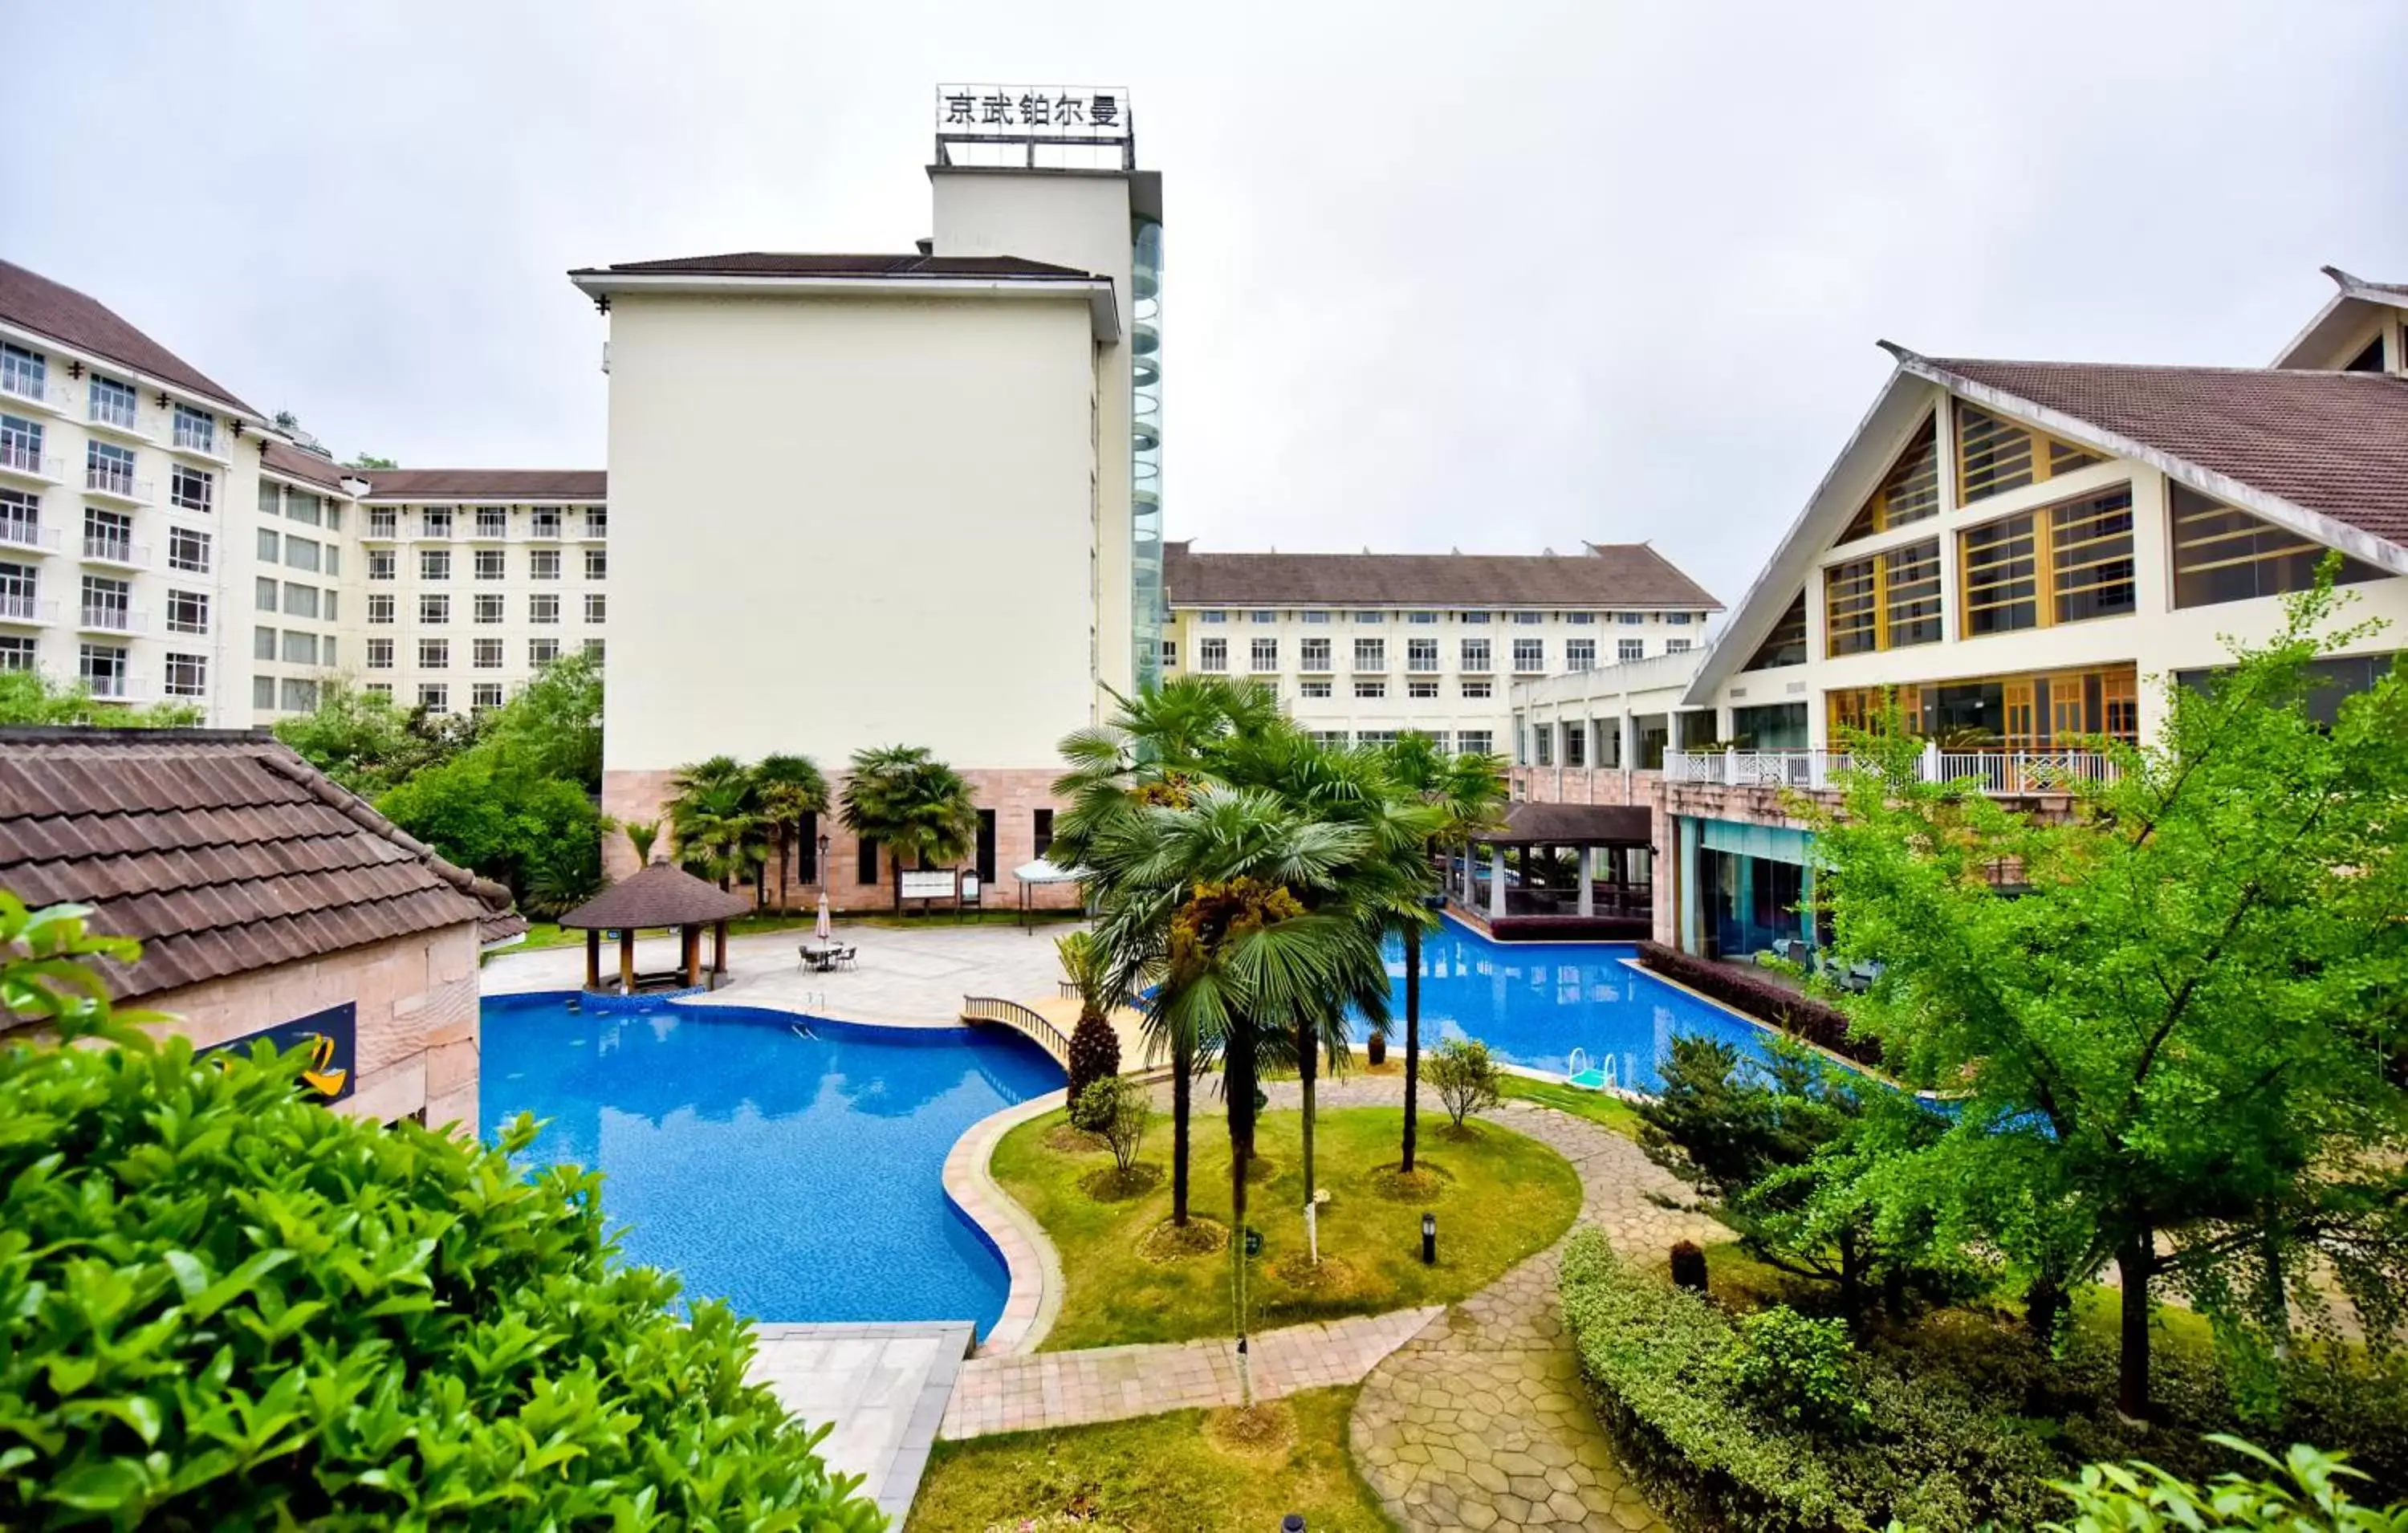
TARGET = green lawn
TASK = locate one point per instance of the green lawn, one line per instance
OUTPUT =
(1157, 1475)
(1598, 1107)
(1499, 1197)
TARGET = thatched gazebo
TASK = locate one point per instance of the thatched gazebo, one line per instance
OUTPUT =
(660, 895)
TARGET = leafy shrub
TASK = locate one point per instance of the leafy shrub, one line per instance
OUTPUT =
(1802, 1370)
(1801, 1016)
(1464, 1077)
(2306, 1490)
(223, 1306)
(1658, 1363)
(1116, 1108)
(1095, 1048)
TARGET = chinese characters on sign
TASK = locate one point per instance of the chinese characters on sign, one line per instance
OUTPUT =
(1098, 113)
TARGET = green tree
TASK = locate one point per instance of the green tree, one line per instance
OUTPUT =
(2178, 1031)
(484, 810)
(1154, 753)
(1095, 1048)
(916, 807)
(1469, 793)
(714, 815)
(788, 788)
(369, 460)
(553, 723)
(229, 1307)
(29, 697)
(641, 836)
(358, 738)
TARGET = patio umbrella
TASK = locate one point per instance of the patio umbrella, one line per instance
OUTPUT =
(823, 931)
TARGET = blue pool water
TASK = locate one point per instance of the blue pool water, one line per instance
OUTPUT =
(797, 1179)
(1533, 1003)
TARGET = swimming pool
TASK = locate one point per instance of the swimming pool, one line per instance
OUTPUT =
(798, 1178)
(1533, 1003)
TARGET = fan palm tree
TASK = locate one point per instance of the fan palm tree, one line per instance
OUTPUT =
(913, 805)
(1468, 793)
(1155, 751)
(1222, 884)
(641, 833)
(714, 819)
(788, 788)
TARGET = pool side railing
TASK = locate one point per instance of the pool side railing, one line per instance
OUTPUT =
(1996, 773)
(1022, 1019)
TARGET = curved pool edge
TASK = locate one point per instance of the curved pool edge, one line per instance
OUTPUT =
(1833, 1056)
(1033, 1268)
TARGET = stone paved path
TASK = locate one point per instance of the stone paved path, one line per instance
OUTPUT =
(1019, 1394)
(1479, 1420)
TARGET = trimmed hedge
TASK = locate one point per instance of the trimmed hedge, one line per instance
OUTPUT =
(1800, 1016)
(1658, 1365)
(226, 1308)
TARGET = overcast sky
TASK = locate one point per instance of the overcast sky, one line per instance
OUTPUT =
(1500, 278)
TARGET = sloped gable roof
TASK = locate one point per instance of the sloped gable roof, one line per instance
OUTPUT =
(223, 852)
(1608, 575)
(35, 303)
(513, 484)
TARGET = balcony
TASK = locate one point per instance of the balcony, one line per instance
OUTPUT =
(37, 393)
(1478, 666)
(198, 441)
(28, 536)
(595, 532)
(118, 686)
(380, 532)
(1316, 664)
(28, 612)
(122, 552)
(112, 484)
(21, 462)
(1998, 773)
(482, 533)
(124, 424)
(538, 532)
(1371, 665)
(108, 619)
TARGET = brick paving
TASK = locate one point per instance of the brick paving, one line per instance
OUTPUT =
(1023, 1393)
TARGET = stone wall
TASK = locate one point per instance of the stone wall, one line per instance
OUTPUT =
(1015, 793)
(1583, 785)
(417, 1008)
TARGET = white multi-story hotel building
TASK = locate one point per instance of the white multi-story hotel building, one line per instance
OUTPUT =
(2022, 554)
(1361, 647)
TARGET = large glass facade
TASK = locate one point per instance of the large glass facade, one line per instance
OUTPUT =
(1146, 612)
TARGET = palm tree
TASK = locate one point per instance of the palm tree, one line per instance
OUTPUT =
(1095, 1048)
(1469, 794)
(1155, 751)
(788, 788)
(641, 833)
(913, 805)
(714, 818)
(1244, 959)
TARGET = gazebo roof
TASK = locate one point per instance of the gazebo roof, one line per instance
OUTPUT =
(663, 894)
(1570, 824)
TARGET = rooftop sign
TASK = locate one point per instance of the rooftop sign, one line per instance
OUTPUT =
(1089, 114)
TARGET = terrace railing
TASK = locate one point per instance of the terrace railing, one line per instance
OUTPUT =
(2002, 773)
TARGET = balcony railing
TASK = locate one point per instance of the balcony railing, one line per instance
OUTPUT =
(28, 535)
(108, 619)
(112, 412)
(16, 609)
(98, 480)
(195, 436)
(34, 391)
(2003, 773)
(117, 550)
(117, 686)
(19, 458)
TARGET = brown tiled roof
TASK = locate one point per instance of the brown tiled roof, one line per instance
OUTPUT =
(662, 894)
(1608, 575)
(223, 852)
(70, 317)
(294, 461)
(484, 483)
(2335, 443)
(1572, 825)
(786, 263)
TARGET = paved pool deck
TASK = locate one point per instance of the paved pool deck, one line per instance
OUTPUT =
(884, 1386)
(909, 978)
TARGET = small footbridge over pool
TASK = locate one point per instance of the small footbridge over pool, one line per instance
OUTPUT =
(1049, 1020)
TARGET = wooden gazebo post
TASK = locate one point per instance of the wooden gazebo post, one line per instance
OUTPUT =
(690, 951)
(594, 958)
(626, 960)
(717, 952)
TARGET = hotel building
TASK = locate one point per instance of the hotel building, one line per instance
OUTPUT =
(1361, 647)
(2022, 551)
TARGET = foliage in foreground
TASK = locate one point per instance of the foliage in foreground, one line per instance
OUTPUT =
(2303, 1491)
(223, 1306)
(1678, 1391)
(2178, 1038)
